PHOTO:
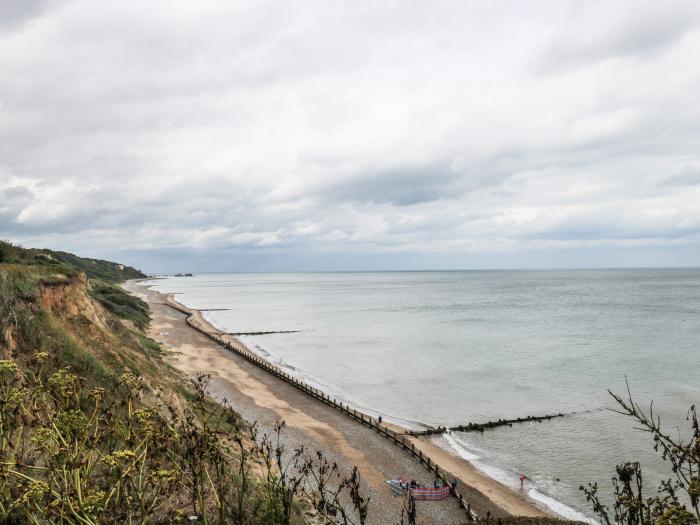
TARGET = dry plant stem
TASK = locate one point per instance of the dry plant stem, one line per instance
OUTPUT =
(669, 505)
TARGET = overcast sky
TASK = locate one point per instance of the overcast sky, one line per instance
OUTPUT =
(291, 135)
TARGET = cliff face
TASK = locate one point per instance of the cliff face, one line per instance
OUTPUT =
(96, 427)
(73, 309)
(87, 324)
(70, 299)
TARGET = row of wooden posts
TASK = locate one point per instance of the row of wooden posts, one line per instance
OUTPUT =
(394, 437)
(480, 427)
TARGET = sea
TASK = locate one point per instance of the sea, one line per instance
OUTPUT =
(448, 348)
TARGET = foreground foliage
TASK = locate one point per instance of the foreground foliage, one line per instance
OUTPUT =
(82, 456)
(677, 499)
(95, 427)
(74, 455)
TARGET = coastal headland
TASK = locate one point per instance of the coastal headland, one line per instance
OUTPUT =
(380, 451)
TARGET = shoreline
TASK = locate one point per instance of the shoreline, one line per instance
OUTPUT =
(437, 446)
(208, 328)
(449, 454)
(473, 482)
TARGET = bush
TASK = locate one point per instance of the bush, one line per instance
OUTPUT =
(120, 303)
(682, 490)
(78, 455)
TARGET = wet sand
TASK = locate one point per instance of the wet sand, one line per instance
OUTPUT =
(261, 397)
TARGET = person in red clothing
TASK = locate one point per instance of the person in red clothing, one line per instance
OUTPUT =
(522, 480)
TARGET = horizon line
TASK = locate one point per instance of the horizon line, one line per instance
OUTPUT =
(434, 270)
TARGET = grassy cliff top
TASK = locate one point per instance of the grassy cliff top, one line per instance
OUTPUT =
(64, 263)
(31, 268)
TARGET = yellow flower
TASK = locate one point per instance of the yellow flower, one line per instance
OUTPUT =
(41, 357)
(118, 458)
(14, 398)
(143, 415)
(130, 381)
(676, 515)
(97, 393)
(73, 422)
(34, 492)
(43, 437)
(93, 500)
(63, 382)
(8, 367)
(166, 476)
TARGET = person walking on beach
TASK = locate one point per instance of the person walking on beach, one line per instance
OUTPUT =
(522, 480)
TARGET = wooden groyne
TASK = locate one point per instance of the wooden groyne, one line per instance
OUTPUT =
(265, 333)
(480, 427)
(398, 439)
(177, 306)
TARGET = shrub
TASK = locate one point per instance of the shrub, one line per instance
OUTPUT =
(677, 499)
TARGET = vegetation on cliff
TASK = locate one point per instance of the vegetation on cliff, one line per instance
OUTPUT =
(95, 426)
(67, 263)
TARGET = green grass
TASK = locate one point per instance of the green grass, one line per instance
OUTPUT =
(105, 271)
(57, 262)
(152, 348)
(69, 351)
(120, 303)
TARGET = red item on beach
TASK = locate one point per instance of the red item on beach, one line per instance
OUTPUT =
(401, 486)
(431, 493)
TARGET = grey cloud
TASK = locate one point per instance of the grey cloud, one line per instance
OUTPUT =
(633, 30)
(273, 129)
(13, 199)
(16, 13)
(688, 176)
(412, 185)
(609, 231)
(15, 194)
(396, 186)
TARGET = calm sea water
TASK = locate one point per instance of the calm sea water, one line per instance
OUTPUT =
(445, 348)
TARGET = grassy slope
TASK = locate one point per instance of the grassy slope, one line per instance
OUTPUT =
(54, 267)
(47, 308)
(105, 271)
(67, 264)
(53, 318)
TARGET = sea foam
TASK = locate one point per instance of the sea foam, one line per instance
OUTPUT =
(511, 479)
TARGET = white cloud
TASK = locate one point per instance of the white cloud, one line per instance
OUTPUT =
(349, 126)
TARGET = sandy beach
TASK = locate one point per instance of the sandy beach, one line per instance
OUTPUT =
(261, 397)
